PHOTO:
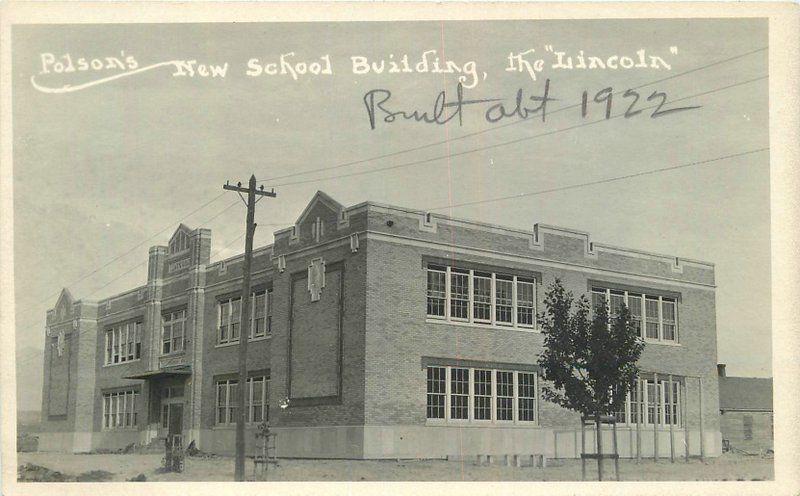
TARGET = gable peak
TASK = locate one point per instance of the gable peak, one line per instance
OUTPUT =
(323, 198)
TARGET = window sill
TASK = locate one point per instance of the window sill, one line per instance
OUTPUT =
(481, 424)
(663, 343)
(477, 325)
(127, 362)
(661, 428)
(236, 343)
(173, 354)
(232, 427)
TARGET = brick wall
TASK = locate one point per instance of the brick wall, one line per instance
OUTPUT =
(349, 409)
(398, 334)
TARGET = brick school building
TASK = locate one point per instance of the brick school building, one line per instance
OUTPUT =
(377, 332)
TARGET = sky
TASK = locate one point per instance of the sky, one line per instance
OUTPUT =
(102, 173)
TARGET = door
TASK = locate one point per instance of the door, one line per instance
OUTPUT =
(175, 423)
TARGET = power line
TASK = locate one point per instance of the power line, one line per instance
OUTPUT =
(494, 128)
(603, 181)
(216, 252)
(528, 194)
(421, 147)
(500, 126)
(432, 159)
(83, 277)
(488, 147)
(506, 143)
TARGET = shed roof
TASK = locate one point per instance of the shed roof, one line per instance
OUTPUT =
(745, 393)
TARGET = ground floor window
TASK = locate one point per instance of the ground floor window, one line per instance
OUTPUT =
(119, 409)
(256, 400)
(481, 395)
(652, 401)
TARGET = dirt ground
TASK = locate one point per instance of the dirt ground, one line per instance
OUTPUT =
(123, 467)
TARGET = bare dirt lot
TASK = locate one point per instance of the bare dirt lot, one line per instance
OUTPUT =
(123, 467)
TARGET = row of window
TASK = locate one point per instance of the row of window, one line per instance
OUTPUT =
(119, 409)
(453, 294)
(652, 402)
(256, 401)
(123, 343)
(229, 317)
(453, 394)
(660, 313)
(480, 297)
(467, 394)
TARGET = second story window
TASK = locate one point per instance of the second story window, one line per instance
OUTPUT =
(437, 285)
(462, 295)
(262, 314)
(123, 343)
(174, 330)
(654, 317)
(229, 314)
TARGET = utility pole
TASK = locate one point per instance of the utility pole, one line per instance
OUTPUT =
(241, 415)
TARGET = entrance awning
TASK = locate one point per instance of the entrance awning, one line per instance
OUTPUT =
(176, 371)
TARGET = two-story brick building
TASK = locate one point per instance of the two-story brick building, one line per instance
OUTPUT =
(378, 332)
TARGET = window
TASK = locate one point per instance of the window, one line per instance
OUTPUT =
(747, 427)
(482, 298)
(256, 400)
(527, 397)
(174, 328)
(671, 402)
(481, 394)
(262, 314)
(179, 243)
(668, 319)
(504, 300)
(436, 392)
(635, 307)
(436, 291)
(653, 402)
(651, 317)
(172, 392)
(459, 295)
(617, 300)
(621, 416)
(123, 343)
(505, 395)
(659, 403)
(230, 317)
(654, 317)
(459, 394)
(526, 302)
(227, 401)
(258, 408)
(119, 409)
(635, 404)
(456, 294)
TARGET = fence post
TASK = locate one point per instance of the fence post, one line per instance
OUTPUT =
(656, 418)
(702, 425)
(673, 413)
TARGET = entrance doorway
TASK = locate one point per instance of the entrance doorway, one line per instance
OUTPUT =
(172, 423)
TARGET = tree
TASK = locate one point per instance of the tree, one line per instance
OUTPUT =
(589, 358)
